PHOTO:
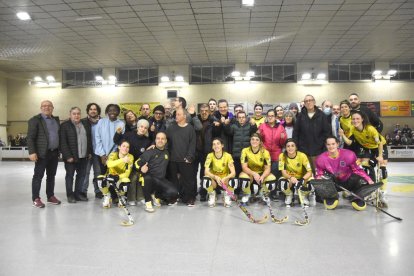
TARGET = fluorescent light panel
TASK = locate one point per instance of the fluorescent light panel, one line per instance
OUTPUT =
(23, 16)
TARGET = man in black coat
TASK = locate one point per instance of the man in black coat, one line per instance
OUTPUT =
(374, 120)
(311, 130)
(43, 144)
(76, 149)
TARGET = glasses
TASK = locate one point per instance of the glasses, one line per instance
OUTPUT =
(309, 101)
(158, 113)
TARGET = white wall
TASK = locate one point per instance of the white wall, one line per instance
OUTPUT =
(24, 100)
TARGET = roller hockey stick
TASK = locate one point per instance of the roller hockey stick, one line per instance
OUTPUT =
(243, 208)
(266, 199)
(369, 203)
(305, 214)
(122, 205)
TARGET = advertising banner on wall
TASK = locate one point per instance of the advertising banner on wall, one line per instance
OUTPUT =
(135, 107)
(395, 108)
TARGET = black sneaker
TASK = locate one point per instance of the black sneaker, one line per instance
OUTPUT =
(81, 197)
(71, 199)
(99, 195)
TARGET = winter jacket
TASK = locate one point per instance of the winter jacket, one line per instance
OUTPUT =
(218, 131)
(241, 136)
(310, 134)
(37, 135)
(273, 138)
(205, 135)
(69, 140)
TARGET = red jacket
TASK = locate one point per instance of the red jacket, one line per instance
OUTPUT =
(274, 139)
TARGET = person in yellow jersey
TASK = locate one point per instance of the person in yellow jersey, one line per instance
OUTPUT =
(256, 164)
(372, 145)
(119, 166)
(296, 173)
(258, 117)
(219, 170)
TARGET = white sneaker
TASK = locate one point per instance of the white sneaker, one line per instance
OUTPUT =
(148, 207)
(107, 201)
(288, 200)
(312, 199)
(227, 201)
(245, 199)
(212, 199)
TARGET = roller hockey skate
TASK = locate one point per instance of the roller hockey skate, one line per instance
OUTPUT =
(211, 199)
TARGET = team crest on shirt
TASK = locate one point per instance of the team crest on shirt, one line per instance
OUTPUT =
(142, 149)
(342, 164)
(298, 165)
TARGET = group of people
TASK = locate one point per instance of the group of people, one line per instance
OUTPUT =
(400, 136)
(160, 158)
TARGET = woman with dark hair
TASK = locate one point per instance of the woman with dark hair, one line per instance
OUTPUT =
(273, 136)
(219, 170)
(131, 120)
(279, 114)
(296, 172)
(256, 176)
(372, 145)
(258, 117)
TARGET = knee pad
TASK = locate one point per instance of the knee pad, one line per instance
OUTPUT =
(233, 183)
(207, 184)
(270, 185)
(384, 172)
(370, 171)
(255, 188)
(307, 187)
(101, 181)
(283, 184)
(123, 187)
(245, 185)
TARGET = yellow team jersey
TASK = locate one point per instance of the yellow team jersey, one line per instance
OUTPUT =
(296, 167)
(255, 161)
(117, 166)
(259, 121)
(346, 124)
(219, 166)
(368, 138)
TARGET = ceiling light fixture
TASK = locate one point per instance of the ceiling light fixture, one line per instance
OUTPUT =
(23, 16)
(88, 18)
(172, 81)
(237, 76)
(247, 3)
(48, 83)
(378, 75)
(313, 78)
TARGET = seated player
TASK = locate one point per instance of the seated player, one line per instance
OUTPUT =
(256, 165)
(296, 173)
(219, 170)
(340, 166)
(119, 167)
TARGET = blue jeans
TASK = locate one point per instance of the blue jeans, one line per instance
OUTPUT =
(48, 164)
(94, 163)
(79, 167)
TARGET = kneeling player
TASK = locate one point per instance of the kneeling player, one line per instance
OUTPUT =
(256, 166)
(153, 164)
(340, 166)
(296, 173)
(219, 170)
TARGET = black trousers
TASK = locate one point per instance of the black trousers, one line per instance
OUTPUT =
(80, 168)
(186, 183)
(48, 164)
(162, 188)
(200, 160)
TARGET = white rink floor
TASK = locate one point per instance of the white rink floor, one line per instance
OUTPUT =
(84, 239)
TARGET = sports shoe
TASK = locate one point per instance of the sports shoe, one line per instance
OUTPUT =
(383, 199)
(148, 207)
(312, 199)
(71, 199)
(227, 201)
(81, 197)
(245, 199)
(288, 200)
(132, 203)
(53, 200)
(330, 203)
(211, 199)
(156, 201)
(38, 203)
(107, 201)
(191, 203)
(358, 204)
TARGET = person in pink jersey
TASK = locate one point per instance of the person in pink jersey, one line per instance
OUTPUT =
(340, 165)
